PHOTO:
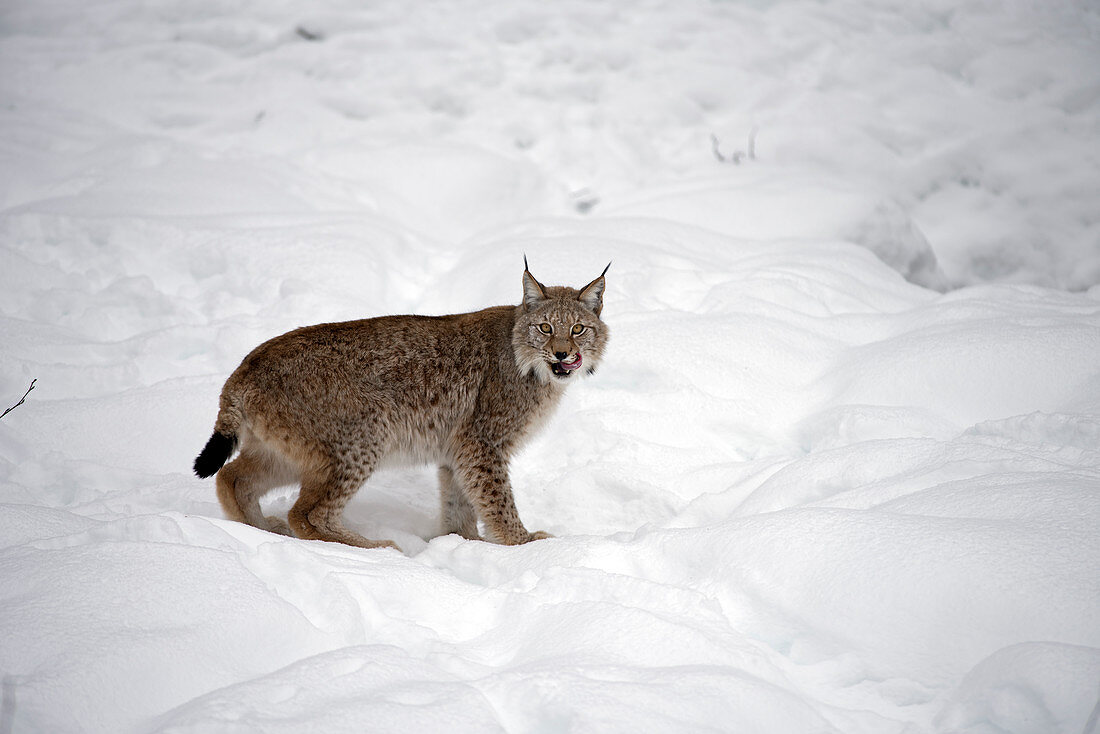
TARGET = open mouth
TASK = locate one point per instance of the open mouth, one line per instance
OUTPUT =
(565, 368)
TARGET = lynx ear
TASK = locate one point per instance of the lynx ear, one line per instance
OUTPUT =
(592, 294)
(533, 291)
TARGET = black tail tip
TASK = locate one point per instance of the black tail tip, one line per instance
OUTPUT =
(214, 455)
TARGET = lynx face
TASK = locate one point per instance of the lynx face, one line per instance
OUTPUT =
(560, 335)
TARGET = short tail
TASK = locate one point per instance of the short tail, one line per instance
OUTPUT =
(217, 451)
(223, 442)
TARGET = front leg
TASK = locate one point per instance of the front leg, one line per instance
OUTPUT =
(482, 470)
(459, 515)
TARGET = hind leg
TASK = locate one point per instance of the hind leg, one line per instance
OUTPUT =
(242, 482)
(458, 514)
(318, 513)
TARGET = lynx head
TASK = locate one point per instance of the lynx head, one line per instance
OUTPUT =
(558, 334)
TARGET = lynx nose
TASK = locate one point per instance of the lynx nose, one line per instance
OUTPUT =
(561, 355)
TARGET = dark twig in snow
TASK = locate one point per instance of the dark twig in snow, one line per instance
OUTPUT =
(714, 146)
(309, 35)
(28, 392)
(738, 155)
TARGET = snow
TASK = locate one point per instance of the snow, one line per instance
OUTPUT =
(839, 471)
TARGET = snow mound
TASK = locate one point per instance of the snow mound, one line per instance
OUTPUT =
(840, 470)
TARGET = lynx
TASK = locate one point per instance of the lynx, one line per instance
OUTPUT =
(325, 406)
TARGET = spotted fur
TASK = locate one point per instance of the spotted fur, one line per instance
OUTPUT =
(325, 406)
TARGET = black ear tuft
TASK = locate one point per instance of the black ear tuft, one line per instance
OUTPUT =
(592, 294)
(533, 291)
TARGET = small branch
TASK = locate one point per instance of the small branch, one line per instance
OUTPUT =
(736, 156)
(308, 34)
(714, 146)
(28, 392)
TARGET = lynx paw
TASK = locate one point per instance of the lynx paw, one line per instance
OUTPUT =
(538, 535)
(278, 525)
(381, 544)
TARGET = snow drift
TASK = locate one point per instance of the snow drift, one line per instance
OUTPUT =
(840, 471)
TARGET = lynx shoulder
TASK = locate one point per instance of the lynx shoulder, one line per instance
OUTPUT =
(325, 406)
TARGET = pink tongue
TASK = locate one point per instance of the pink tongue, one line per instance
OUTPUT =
(571, 365)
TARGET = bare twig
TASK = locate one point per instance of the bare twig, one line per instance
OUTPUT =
(736, 156)
(714, 146)
(309, 34)
(28, 392)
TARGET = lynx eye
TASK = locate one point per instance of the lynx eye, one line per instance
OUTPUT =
(577, 329)
(546, 328)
